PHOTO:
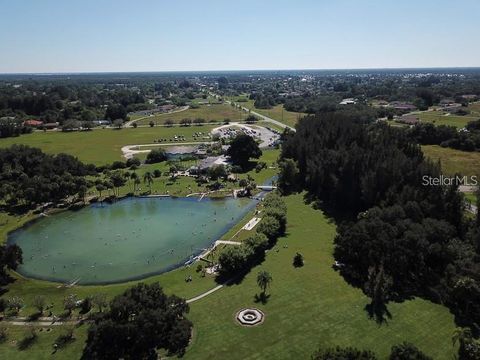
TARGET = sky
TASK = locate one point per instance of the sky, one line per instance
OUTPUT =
(45, 36)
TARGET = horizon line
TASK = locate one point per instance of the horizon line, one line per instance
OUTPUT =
(236, 70)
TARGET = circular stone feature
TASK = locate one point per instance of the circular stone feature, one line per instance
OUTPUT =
(250, 317)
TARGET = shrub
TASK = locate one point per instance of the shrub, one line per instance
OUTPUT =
(260, 166)
(156, 156)
(3, 333)
(118, 165)
(407, 351)
(133, 162)
(298, 260)
(339, 353)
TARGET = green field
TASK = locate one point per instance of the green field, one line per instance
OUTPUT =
(439, 118)
(277, 112)
(310, 306)
(100, 146)
(474, 109)
(471, 198)
(214, 112)
(454, 161)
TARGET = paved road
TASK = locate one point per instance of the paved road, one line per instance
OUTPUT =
(263, 117)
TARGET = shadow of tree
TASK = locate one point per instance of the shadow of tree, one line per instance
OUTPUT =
(378, 312)
(26, 342)
(262, 298)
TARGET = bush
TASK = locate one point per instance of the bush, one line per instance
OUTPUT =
(186, 122)
(156, 156)
(3, 333)
(407, 351)
(298, 260)
(260, 166)
(15, 303)
(86, 305)
(157, 173)
(118, 165)
(133, 162)
(339, 353)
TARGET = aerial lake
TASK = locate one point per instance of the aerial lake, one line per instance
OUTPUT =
(129, 239)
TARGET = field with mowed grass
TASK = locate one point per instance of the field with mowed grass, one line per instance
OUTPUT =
(471, 198)
(277, 112)
(474, 108)
(310, 306)
(212, 112)
(101, 146)
(440, 118)
(454, 161)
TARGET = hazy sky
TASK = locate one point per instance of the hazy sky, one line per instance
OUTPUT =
(148, 35)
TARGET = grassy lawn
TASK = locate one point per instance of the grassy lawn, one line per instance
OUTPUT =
(474, 109)
(100, 146)
(471, 198)
(310, 306)
(277, 112)
(42, 348)
(213, 112)
(439, 118)
(454, 161)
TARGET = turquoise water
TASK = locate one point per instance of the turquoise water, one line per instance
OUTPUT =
(129, 239)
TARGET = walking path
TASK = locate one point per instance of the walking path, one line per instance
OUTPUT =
(42, 321)
(130, 123)
(206, 293)
(227, 242)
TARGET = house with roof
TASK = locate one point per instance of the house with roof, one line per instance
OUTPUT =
(408, 119)
(33, 123)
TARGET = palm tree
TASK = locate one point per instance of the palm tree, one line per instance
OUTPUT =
(148, 178)
(136, 182)
(134, 177)
(263, 280)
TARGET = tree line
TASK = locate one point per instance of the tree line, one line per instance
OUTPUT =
(397, 238)
(238, 260)
(29, 177)
(447, 136)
